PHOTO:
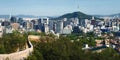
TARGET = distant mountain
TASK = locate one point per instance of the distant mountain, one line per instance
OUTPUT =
(19, 16)
(78, 14)
(115, 15)
(26, 16)
(4, 16)
(100, 16)
(112, 15)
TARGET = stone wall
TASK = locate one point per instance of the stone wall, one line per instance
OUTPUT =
(21, 55)
(35, 38)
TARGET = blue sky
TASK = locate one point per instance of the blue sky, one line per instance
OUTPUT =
(58, 7)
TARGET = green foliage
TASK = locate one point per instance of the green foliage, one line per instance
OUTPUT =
(32, 57)
(36, 33)
(59, 49)
(64, 49)
(11, 42)
(78, 14)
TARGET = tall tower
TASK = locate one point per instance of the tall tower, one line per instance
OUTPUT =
(54, 26)
(61, 26)
(93, 18)
(77, 4)
(10, 16)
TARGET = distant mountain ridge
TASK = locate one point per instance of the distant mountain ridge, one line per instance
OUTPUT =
(77, 14)
(4, 16)
(25, 16)
(115, 15)
(20, 16)
(112, 15)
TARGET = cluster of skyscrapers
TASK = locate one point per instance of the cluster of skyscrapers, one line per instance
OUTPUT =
(61, 26)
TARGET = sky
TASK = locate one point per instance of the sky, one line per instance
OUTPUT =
(59, 7)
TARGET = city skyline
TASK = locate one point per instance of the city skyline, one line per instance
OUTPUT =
(58, 7)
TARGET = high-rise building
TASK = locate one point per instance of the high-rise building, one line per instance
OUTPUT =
(54, 26)
(20, 20)
(67, 30)
(29, 25)
(76, 22)
(59, 26)
(65, 23)
(46, 28)
(13, 20)
(5, 23)
(1, 30)
(93, 18)
(43, 20)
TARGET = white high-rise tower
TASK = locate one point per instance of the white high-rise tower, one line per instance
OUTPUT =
(93, 18)
(10, 16)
